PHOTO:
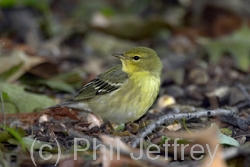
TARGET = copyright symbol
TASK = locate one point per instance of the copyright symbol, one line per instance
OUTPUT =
(41, 148)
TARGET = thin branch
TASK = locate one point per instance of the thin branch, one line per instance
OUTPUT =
(168, 119)
(244, 90)
(242, 104)
(2, 104)
(235, 120)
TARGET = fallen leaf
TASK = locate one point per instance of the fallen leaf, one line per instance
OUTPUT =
(13, 66)
(22, 101)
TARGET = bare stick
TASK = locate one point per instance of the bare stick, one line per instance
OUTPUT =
(244, 90)
(2, 102)
(168, 119)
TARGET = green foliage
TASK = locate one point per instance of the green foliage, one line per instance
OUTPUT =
(179, 141)
(237, 44)
(185, 126)
(226, 140)
(13, 70)
(7, 3)
(120, 127)
(42, 5)
(65, 82)
(107, 11)
(13, 136)
(17, 135)
(5, 96)
(226, 131)
(4, 136)
(58, 85)
(34, 144)
(86, 8)
(21, 101)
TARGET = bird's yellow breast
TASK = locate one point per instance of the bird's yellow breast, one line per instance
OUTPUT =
(148, 86)
(135, 100)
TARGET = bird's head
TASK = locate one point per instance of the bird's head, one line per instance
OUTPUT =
(140, 59)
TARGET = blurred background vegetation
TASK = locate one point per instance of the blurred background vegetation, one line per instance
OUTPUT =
(54, 47)
(50, 48)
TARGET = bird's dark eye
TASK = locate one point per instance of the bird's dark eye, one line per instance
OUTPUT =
(136, 58)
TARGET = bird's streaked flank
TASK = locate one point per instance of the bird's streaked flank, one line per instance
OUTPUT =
(125, 92)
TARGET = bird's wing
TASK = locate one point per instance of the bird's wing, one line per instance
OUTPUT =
(103, 83)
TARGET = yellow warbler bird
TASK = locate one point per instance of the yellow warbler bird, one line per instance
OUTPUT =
(125, 92)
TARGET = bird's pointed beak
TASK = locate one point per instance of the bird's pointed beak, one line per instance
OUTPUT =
(119, 55)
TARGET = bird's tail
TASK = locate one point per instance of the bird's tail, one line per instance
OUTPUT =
(72, 104)
(63, 104)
